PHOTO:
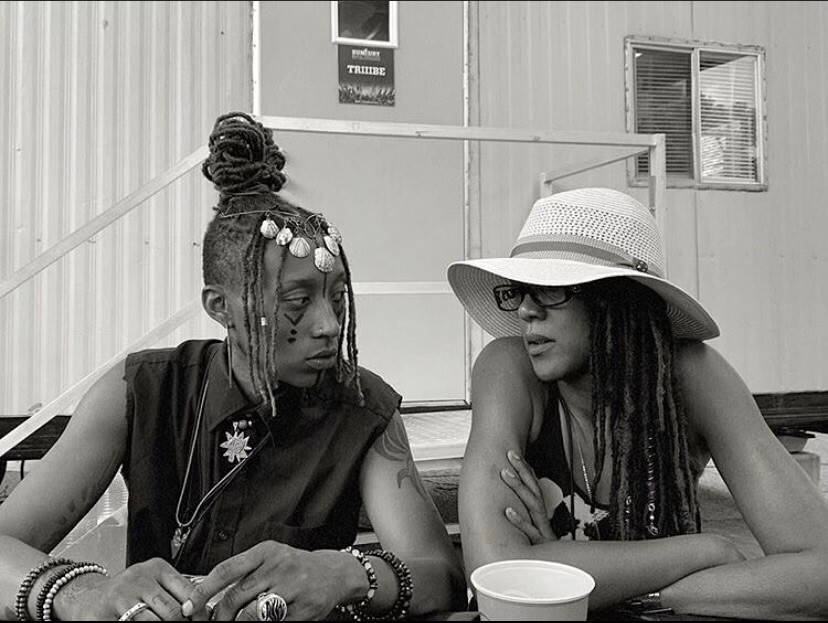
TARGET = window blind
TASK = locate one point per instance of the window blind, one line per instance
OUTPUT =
(727, 92)
(663, 104)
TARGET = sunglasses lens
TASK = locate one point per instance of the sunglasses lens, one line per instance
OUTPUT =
(549, 296)
(508, 297)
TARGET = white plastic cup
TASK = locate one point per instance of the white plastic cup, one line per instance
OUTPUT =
(531, 590)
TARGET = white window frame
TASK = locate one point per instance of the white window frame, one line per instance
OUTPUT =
(393, 29)
(633, 43)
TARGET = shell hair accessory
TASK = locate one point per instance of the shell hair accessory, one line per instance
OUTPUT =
(301, 235)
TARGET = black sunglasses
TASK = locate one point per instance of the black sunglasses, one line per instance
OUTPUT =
(509, 296)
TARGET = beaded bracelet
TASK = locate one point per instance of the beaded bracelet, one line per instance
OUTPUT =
(356, 610)
(406, 587)
(21, 604)
(66, 576)
(41, 598)
(48, 585)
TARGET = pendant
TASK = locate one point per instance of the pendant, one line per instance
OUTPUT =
(178, 540)
(236, 445)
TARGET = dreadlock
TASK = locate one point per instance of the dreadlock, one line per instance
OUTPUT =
(635, 395)
(245, 166)
(346, 369)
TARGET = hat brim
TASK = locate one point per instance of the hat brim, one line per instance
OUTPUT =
(473, 280)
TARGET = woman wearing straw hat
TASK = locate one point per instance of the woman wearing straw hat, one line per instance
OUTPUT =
(595, 412)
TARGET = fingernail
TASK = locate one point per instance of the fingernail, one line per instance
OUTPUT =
(510, 511)
(508, 473)
(187, 608)
(514, 455)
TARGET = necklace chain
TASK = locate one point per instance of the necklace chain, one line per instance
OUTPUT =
(590, 499)
(216, 487)
(182, 530)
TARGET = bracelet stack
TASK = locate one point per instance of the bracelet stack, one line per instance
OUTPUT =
(68, 571)
(358, 611)
(22, 600)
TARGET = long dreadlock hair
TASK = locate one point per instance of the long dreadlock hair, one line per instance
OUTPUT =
(635, 395)
(245, 166)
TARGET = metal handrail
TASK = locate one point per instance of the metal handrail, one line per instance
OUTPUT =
(547, 178)
(452, 132)
(104, 219)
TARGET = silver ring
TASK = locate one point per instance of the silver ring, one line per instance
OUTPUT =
(130, 614)
(271, 607)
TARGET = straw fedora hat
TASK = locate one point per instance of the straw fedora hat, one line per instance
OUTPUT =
(573, 237)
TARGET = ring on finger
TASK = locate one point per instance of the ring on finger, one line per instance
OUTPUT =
(271, 607)
(133, 611)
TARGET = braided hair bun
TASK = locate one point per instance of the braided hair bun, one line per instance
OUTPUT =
(243, 157)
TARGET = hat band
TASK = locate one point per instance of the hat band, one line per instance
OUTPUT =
(619, 258)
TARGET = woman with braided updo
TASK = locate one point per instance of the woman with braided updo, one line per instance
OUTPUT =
(247, 460)
(597, 409)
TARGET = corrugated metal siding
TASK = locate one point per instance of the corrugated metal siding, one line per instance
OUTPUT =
(101, 98)
(756, 260)
(763, 258)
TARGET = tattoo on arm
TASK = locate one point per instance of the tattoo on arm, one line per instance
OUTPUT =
(394, 447)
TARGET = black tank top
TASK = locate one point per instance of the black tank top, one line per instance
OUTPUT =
(547, 456)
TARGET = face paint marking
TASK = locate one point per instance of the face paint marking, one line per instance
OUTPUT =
(295, 321)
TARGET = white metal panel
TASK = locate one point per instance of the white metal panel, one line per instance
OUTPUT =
(763, 257)
(102, 97)
(756, 260)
